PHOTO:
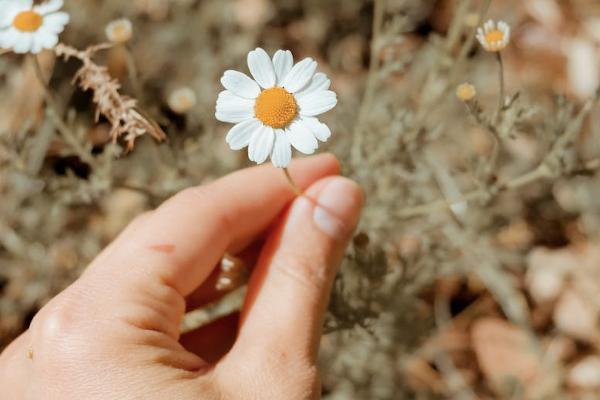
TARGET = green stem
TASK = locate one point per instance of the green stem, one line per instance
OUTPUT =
(501, 79)
(292, 183)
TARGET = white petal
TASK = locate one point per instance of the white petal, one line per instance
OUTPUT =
(24, 4)
(49, 6)
(261, 68)
(261, 144)
(48, 40)
(56, 22)
(283, 60)
(36, 44)
(506, 38)
(23, 43)
(317, 103)
(301, 138)
(319, 129)
(232, 108)
(300, 75)
(9, 12)
(240, 84)
(9, 37)
(282, 150)
(233, 117)
(239, 136)
(318, 82)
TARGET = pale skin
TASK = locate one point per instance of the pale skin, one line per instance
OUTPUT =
(114, 333)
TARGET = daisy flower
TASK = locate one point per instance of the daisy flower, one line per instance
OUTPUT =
(494, 36)
(28, 28)
(277, 109)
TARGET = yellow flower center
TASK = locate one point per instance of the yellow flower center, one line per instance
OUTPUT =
(28, 21)
(494, 36)
(120, 31)
(276, 107)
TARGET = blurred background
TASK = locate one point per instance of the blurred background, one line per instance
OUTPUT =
(475, 273)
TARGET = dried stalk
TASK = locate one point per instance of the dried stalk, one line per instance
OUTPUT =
(371, 85)
(126, 118)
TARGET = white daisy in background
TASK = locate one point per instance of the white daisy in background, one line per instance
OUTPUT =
(494, 36)
(29, 28)
(277, 109)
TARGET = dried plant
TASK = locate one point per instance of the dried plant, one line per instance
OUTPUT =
(126, 119)
(474, 203)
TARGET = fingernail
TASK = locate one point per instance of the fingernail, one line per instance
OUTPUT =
(338, 208)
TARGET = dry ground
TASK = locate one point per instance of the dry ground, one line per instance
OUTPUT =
(493, 297)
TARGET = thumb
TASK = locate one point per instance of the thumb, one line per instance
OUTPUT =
(288, 294)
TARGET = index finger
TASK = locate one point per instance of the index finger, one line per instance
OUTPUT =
(180, 242)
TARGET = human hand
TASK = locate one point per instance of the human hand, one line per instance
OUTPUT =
(114, 333)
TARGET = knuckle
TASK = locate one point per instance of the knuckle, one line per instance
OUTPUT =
(158, 308)
(56, 321)
(167, 295)
(71, 330)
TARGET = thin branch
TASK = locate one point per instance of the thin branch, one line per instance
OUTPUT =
(53, 112)
(549, 168)
(455, 381)
(292, 182)
(501, 83)
(372, 78)
(133, 74)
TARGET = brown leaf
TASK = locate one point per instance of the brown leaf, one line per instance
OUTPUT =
(504, 351)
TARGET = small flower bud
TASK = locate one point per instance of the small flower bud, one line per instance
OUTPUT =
(119, 30)
(466, 92)
(182, 100)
